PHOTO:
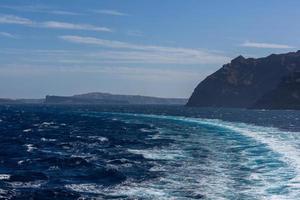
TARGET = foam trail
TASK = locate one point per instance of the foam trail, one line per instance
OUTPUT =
(286, 144)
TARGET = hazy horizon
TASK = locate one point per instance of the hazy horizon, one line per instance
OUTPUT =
(149, 48)
(67, 95)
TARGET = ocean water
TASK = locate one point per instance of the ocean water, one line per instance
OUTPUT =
(148, 152)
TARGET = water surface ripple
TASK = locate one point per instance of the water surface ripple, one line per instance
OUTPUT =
(148, 152)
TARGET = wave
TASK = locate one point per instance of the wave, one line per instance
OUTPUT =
(27, 176)
(65, 162)
(56, 193)
(283, 144)
(87, 154)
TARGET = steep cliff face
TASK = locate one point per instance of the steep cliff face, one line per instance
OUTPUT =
(243, 81)
(285, 96)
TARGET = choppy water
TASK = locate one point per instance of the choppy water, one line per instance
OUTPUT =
(148, 152)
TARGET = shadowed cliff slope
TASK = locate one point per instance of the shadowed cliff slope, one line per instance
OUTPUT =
(242, 82)
(285, 96)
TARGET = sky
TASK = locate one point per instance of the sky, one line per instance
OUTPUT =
(158, 48)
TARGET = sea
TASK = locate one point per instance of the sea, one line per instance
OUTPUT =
(148, 152)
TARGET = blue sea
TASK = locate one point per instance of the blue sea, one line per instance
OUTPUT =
(148, 152)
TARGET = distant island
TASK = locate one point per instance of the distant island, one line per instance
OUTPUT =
(107, 98)
(271, 82)
(98, 98)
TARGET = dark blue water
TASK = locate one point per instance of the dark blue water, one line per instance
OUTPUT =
(148, 152)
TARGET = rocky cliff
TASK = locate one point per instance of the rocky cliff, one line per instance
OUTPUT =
(242, 82)
(285, 96)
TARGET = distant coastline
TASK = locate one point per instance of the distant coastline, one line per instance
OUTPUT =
(98, 98)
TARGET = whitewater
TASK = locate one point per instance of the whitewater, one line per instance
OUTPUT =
(283, 144)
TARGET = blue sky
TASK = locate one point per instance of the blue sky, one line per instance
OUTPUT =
(147, 47)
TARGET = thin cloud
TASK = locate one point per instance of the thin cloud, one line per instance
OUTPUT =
(137, 73)
(101, 57)
(62, 12)
(8, 35)
(141, 57)
(12, 19)
(149, 52)
(266, 45)
(64, 25)
(110, 12)
(38, 9)
(135, 33)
